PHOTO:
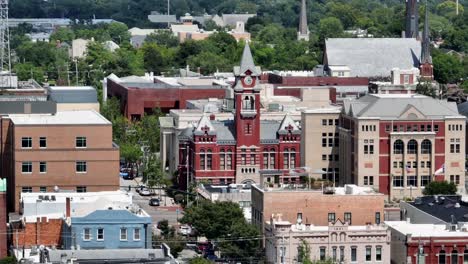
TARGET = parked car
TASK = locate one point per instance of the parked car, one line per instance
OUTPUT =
(154, 202)
(145, 192)
(185, 230)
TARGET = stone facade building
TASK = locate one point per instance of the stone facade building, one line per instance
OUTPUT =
(337, 241)
(399, 143)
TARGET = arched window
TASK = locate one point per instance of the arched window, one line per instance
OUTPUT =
(465, 256)
(412, 147)
(442, 257)
(209, 160)
(202, 160)
(426, 147)
(454, 257)
(398, 147)
(229, 160)
(222, 159)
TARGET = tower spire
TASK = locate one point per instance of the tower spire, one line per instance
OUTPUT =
(412, 19)
(426, 51)
(303, 33)
(426, 66)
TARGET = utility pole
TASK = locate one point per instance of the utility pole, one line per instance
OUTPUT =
(76, 71)
(456, 10)
(168, 8)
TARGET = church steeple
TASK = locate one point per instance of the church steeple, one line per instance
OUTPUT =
(426, 58)
(303, 33)
(412, 19)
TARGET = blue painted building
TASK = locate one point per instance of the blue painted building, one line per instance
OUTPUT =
(109, 229)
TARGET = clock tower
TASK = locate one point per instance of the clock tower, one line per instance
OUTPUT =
(247, 118)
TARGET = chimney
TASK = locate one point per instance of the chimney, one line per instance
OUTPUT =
(212, 117)
(67, 208)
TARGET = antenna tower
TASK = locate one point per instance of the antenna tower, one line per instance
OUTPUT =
(5, 62)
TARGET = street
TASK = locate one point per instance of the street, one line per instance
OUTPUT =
(167, 210)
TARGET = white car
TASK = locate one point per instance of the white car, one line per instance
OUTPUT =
(185, 230)
(145, 192)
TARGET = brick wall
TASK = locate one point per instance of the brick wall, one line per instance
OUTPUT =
(45, 232)
(3, 225)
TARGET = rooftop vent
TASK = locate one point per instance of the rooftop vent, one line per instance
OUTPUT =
(457, 205)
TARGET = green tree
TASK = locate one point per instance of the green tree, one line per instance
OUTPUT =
(199, 260)
(152, 58)
(118, 32)
(443, 187)
(209, 62)
(26, 71)
(154, 173)
(130, 152)
(163, 38)
(448, 9)
(148, 130)
(330, 27)
(303, 254)
(447, 68)
(62, 34)
(8, 260)
(426, 88)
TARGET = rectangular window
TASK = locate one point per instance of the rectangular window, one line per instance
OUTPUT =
(229, 161)
(123, 233)
(353, 254)
(43, 142)
(243, 159)
(86, 234)
(324, 157)
(42, 167)
(436, 128)
(425, 180)
(26, 167)
(136, 234)
(342, 256)
(377, 218)
(80, 142)
(331, 217)
(395, 164)
(330, 122)
(100, 234)
(26, 189)
(26, 142)
(322, 253)
(252, 159)
(222, 161)
(371, 180)
(397, 181)
(428, 164)
(415, 164)
(334, 252)
(378, 253)
(265, 160)
(422, 164)
(368, 253)
(81, 189)
(324, 122)
(81, 166)
(366, 149)
(366, 180)
(347, 217)
(387, 128)
(43, 189)
(411, 181)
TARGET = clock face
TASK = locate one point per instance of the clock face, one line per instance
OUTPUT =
(248, 80)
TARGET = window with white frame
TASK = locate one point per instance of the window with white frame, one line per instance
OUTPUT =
(26, 142)
(26, 167)
(100, 234)
(397, 181)
(123, 233)
(81, 166)
(86, 234)
(80, 142)
(136, 234)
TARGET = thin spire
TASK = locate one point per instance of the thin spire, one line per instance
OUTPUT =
(303, 30)
(247, 62)
(426, 41)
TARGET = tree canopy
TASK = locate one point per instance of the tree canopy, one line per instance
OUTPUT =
(443, 187)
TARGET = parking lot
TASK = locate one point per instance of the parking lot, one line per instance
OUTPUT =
(167, 210)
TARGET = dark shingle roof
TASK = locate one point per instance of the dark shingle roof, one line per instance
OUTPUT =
(444, 207)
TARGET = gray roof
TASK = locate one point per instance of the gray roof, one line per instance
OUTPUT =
(373, 57)
(159, 18)
(72, 94)
(110, 255)
(463, 108)
(232, 19)
(247, 63)
(226, 133)
(388, 106)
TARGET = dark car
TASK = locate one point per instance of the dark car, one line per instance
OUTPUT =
(154, 202)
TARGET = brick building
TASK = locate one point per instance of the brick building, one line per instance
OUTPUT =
(139, 95)
(3, 219)
(246, 149)
(71, 151)
(42, 231)
(428, 243)
(399, 143)
(352, 204)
